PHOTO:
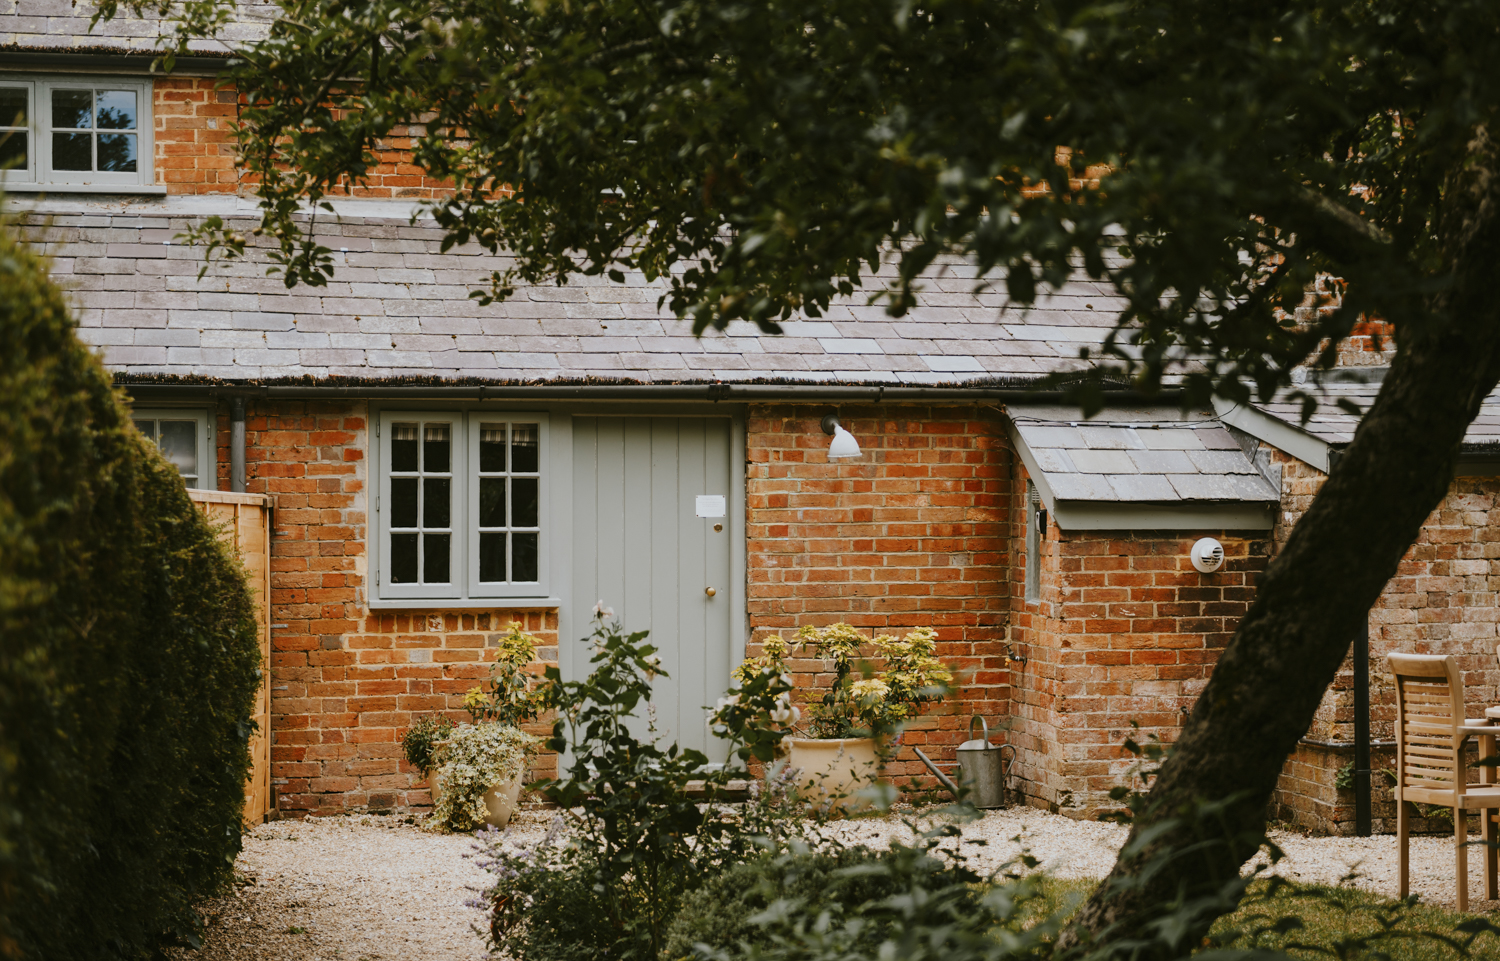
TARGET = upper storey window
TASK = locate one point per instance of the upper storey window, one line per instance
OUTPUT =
(75, 134)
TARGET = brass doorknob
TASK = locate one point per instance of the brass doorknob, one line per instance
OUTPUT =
(709, 591)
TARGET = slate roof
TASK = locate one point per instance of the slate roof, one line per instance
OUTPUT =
(1334, 425)
(398, 308)
(59, 25)
(1142, 455)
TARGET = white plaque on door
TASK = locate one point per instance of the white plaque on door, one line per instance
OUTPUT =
(710, 505)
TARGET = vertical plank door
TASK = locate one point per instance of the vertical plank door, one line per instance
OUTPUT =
(244, 521)
(639, 546)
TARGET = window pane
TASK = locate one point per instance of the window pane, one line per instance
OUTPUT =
(12, 150)
(435, 501)
(403, 558)
(523, 562)
(492, 502)
(491, 448)
(72, 151)
(491, 557)
(179, 444)
(404, 503)
(523, 448)
(436, 449)
(12, 106)
(524, 502)
(147, 427)
(73, 108)
(435, 558)
(117, 152)
(404, 448)
(116, 110)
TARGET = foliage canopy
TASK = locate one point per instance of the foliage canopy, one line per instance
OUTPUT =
(763, 156)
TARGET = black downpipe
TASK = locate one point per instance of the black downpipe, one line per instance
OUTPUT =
(1362, 817)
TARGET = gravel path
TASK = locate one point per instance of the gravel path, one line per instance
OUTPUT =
(380, 889)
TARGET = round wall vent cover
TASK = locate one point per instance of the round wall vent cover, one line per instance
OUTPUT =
(1208, 555)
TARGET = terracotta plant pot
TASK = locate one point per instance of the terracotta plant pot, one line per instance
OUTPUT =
(835, 770)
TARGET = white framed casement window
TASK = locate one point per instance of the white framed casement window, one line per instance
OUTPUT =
(79, 133)
(461, 504)
(506, 506)
(186, 439)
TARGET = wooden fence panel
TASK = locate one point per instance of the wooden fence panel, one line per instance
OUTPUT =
(246, 523)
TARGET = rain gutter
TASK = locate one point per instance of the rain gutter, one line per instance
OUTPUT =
(640, 392)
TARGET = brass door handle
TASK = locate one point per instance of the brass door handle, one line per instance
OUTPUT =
(709, 591)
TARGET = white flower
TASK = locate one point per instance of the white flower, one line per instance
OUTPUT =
(786, 714)
(601, 612)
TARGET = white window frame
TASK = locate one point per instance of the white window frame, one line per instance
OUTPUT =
(1032, 580)
(38, 171)
(463, 562)
(535, 588)
(208, 460)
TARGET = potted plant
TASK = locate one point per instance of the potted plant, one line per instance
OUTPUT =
(420, 742)
(841, 750)
(478, 768)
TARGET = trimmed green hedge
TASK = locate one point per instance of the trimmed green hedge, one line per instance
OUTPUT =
(128, 658)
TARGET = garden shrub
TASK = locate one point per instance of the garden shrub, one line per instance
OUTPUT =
(719, 913)
(912, 902)
(639, 842)
(128, 658)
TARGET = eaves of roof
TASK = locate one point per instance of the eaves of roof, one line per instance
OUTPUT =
(995, 390)
(1318, 440)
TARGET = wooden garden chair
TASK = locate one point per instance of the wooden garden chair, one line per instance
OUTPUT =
(1431, 730)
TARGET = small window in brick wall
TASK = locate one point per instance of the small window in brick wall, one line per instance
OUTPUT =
(461, 505)
(1036, 526)
(186, 439)
(75, 133)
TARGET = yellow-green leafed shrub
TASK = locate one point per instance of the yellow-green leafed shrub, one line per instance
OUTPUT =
(128, 658)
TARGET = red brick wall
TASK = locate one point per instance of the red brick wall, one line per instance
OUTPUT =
(926, 529)
(1443, 600)
(1125, 630)
(347, 682)
(912, 534)
(194, 136)
(195, 148)
(339, 715)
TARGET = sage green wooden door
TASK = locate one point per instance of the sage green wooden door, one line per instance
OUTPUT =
(641, 548)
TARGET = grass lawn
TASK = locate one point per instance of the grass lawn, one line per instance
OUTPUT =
(1331, 922)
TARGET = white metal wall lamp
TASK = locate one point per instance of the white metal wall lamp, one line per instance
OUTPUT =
(844, 445)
